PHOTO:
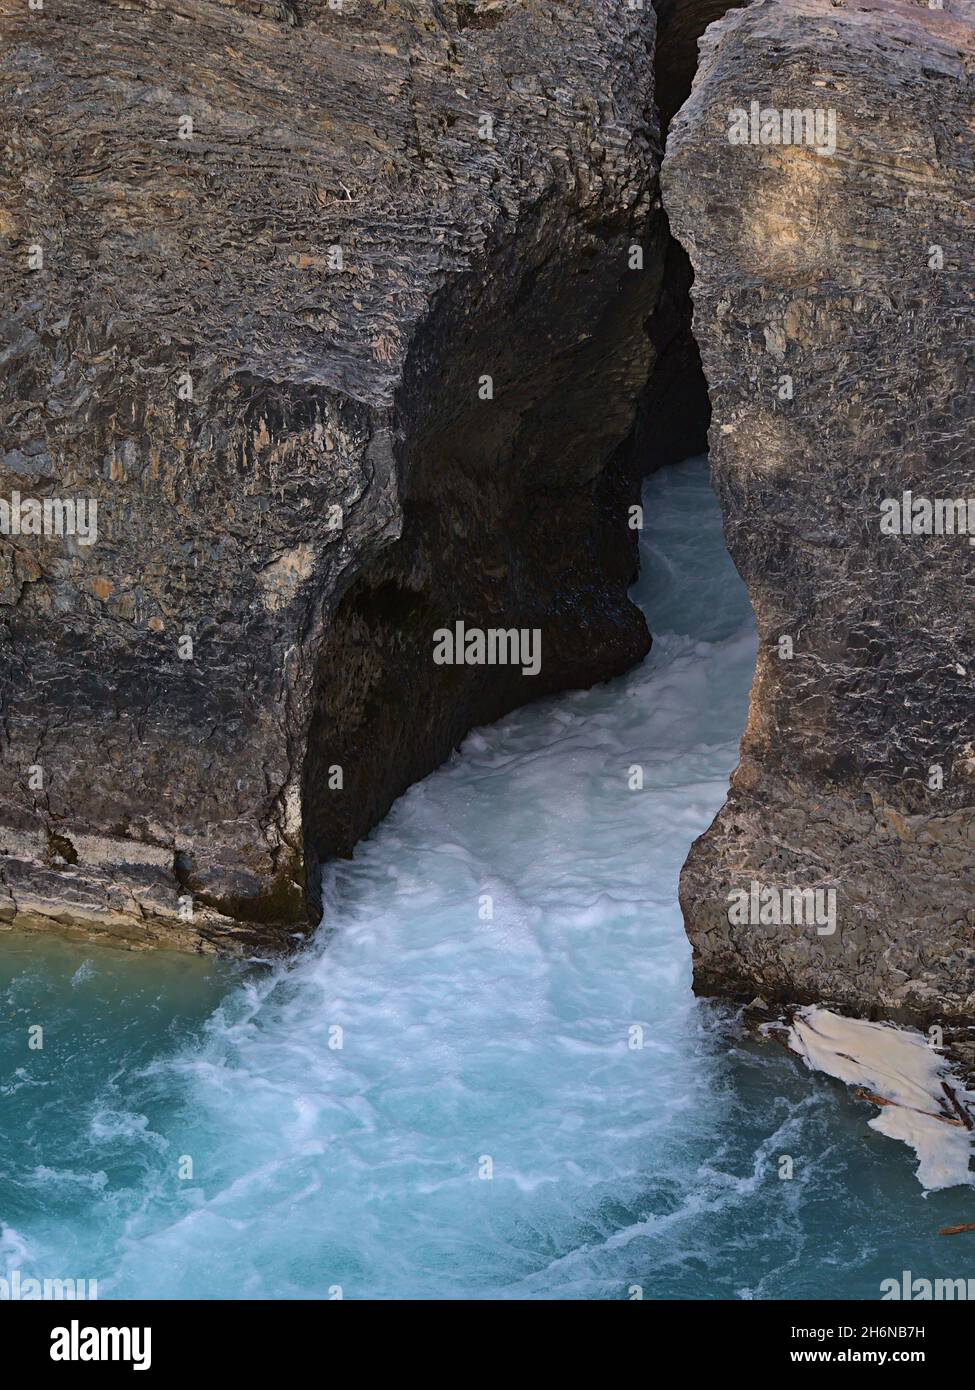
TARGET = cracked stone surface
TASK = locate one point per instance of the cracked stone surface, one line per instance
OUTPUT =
(292, 462)
(825, 269)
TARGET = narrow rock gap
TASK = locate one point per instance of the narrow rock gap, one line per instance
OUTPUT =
(515, 515)
(680, 24)
(675, 411)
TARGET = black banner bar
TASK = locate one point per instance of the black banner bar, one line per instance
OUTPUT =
(165, 1338)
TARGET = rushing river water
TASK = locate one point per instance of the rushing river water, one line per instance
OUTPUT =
(469, 1045)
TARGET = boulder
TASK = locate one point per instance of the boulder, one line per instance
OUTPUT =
(332, 310)
(834, 305)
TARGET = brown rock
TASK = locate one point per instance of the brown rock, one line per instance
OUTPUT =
(848, 276)
(283, 245)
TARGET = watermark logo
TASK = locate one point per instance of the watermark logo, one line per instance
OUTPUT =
(812, 127)
(910, 1289)
(908, 515)
(51, 517)
(77, 1343)
(15, 1289)
(493, 646)
(765, 905)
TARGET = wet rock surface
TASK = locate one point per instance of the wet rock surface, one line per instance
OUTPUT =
(258, 258)
(835, 311)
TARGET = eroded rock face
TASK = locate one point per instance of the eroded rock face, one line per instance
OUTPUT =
(258, 258)
(851, 274)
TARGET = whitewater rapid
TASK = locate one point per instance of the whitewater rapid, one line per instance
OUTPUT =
(487, 1077)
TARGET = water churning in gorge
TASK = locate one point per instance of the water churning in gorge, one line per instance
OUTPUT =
(433, 1102)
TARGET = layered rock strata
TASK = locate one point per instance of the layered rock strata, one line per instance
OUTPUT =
(333, 311)
(834, 305)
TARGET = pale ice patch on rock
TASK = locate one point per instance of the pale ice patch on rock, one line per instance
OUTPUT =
(899, 1067)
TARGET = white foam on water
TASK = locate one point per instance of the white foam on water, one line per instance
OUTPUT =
(15, 1251)
(615, 1166)
(900, 1066)
(471, 1044)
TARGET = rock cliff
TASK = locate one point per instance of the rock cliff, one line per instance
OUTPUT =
(332, 309)
(358, 318)
(835, 311)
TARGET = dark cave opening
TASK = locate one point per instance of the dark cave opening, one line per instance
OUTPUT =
(674, 413)
(680, 23)
(514, 515)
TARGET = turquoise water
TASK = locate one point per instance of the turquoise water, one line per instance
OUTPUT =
(466, 1038)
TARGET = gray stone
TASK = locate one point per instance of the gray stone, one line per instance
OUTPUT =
(319, 396)
(824, 268)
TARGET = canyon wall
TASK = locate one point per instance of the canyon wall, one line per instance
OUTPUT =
(333, 310)
(834, 305)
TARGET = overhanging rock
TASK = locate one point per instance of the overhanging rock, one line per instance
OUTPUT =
(330, 309)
